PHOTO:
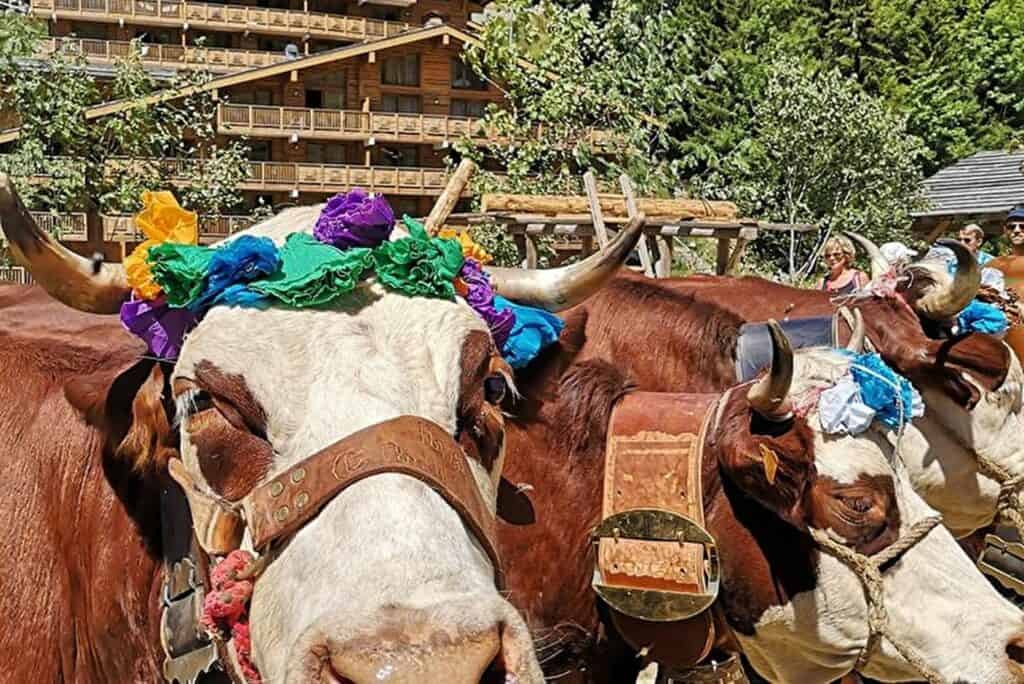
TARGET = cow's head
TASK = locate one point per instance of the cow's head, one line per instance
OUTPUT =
(800, 613)
(387, 582)
(972, 385)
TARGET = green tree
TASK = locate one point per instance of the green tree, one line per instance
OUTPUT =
(823, 151)
(105, 163)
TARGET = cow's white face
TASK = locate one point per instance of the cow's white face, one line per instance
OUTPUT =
(945, 468)
(386, 583)
(938, 604)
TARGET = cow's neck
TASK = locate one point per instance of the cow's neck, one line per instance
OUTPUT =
(117, 574)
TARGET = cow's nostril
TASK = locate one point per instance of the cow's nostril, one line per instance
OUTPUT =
(1015, 649)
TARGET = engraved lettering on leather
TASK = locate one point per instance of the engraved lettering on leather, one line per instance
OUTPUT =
(408, 445)
(652, 565)
(657, 567)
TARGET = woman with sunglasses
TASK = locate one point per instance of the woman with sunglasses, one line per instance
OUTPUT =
(842, 277)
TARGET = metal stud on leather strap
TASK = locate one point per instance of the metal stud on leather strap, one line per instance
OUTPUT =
(276, 488)
(298, 475)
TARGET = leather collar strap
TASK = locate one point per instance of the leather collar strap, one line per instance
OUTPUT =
(408, 444)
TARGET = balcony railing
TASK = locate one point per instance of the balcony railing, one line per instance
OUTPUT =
(176, 56)
(121, 228)
(344, 124)
(15, 274)
(391, 180)
(66, 227)
(221, 17)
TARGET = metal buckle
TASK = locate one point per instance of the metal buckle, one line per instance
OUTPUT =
(180, 580)
(189, 667)
(661, 604)
(1003, 561)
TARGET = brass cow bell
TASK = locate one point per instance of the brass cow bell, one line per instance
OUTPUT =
(655, 565)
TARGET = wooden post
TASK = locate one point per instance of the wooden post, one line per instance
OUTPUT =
(737, 254)
(595, 210)
(531, 249)
(449, 196)
(663, 267)
(586, 246)
(520, 240)
(722, 257)
(631, 211)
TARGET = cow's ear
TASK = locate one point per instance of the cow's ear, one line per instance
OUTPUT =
(132, 406)
(771, 463)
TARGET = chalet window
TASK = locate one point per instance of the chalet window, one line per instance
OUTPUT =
(403, 70)
(405, 104)
(465, 78)
(314, 99)
(325, 153)
(475, 108)
(399, 156)
(259, 150)
(257, 96)
(90, 31)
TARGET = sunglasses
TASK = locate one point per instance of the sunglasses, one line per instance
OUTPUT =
(1013, 227)
(835, 255)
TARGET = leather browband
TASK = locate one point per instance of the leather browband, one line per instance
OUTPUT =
(408, 445)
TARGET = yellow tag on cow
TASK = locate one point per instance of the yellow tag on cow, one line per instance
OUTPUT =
(770, 459)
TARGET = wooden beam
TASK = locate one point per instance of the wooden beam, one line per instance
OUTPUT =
(294, 76)
(722, 256)
(594, 205)
(611, 205)
(631, 211)
(449, 196)
(446, 40)
(372, 57)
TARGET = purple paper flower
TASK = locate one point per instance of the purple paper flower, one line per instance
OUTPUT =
(480, 297)
(162, 327)
(354, 220)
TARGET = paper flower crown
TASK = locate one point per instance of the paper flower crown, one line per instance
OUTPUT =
(175, 281)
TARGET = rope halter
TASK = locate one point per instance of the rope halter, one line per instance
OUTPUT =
(869, 571)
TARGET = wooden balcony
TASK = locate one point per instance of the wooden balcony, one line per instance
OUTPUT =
(343, 124)
(212, 228)
(326, 178)
(66, 227)
(201, 15)
(171, 56)
(15, 274)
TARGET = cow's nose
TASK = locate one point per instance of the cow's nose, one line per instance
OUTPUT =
(396, 657)
(1015, 650)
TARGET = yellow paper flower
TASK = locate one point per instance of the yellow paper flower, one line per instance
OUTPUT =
(470, 249)
(161, 220)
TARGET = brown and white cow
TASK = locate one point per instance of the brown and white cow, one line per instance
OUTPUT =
(386, 583)
(971, 384)
(799, 613)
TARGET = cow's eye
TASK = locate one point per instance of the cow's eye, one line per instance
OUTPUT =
(200, 401)
(495, 388)
(857, 504)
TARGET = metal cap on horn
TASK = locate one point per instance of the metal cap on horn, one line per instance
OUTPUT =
(879, 264)
(769, 395)
(556, 289)
(942, 299)
(74, 280)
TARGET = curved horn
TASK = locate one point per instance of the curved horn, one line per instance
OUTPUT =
(556, 289)
(879, 264)
(856, 341)
(939, 301)
(67, 277)
(768, 396)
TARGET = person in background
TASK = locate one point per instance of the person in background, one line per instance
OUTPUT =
(973, 237)
(842, 277)
(1012, 266)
